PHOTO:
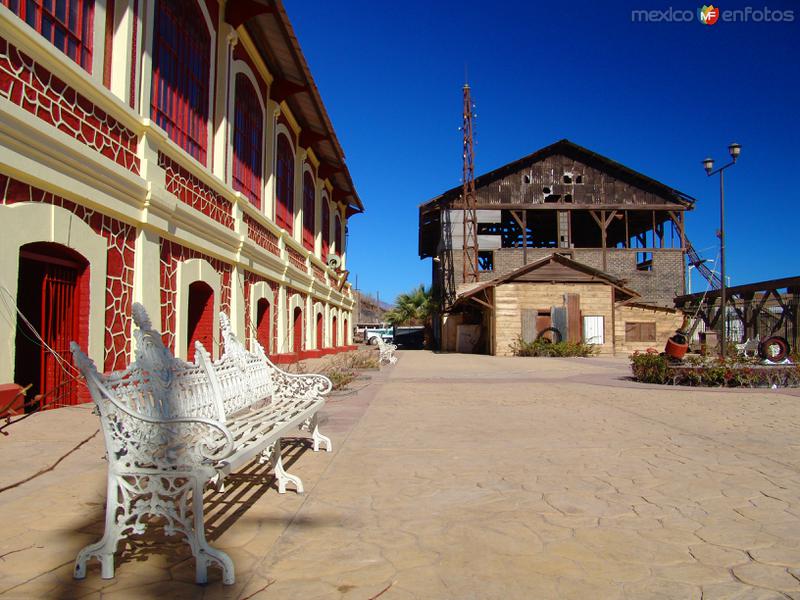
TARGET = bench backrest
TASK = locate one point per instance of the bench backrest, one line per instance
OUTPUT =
(155, 387)
(243, 378)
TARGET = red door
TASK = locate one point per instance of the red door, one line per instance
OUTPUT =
(200, 324)
(51, 296)
(264, 315)
(320, 338)
(298, 331)
(334, 341)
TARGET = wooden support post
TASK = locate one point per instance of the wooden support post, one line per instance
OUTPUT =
(605, 259)
(627, 232)
(525, 237)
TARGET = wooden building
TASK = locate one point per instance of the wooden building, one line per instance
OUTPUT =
(562, 227)
(171, 152)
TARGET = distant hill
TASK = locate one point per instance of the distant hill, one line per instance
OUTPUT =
(369, 309)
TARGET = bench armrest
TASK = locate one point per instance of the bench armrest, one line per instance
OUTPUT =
(299, 385)
(143, 440)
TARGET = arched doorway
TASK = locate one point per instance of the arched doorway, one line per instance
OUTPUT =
(263, 320)
(298, 331)
(200, 322)
(53, 295)
(320, 338)
(334, 341)
(344, 332)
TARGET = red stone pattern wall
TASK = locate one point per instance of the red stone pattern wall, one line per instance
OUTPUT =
(121, 240)
(319, 274)
(296, 259)
(261, 235)
(190, 190)
(251, 279)
(172, 254)
(29, 85)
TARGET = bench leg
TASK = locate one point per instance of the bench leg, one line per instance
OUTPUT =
(204, 554)
(104, 549)
(274, 452)
(319, 438)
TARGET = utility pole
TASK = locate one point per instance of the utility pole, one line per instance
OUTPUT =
(468, 197)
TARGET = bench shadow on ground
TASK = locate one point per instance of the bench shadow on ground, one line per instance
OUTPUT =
(171, 553)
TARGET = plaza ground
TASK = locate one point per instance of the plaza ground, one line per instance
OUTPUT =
(455, 476)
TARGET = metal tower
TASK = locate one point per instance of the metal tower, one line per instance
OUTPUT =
(469, 200)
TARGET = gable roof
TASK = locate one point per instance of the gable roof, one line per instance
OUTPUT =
(567, 148)
(539, 271)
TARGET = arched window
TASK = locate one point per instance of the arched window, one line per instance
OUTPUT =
(284, 209)
(181, 55)
(334, 341)
(320, 332)
(247, 132)
(337, 235)
(308, 211)
(67, 24)
(326, 229)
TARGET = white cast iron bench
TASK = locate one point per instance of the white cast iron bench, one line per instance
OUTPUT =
(386, 352)
(173, 427)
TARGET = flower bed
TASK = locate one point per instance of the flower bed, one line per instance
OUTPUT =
(652, 367)
(544, 347)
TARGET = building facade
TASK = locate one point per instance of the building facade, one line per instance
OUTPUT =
(175, 153)
(617, 227)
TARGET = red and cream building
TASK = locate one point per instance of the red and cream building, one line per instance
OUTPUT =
(175, 153)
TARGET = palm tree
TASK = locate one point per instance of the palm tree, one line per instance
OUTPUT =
(413, 308)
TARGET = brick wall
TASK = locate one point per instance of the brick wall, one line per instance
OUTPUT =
(658, 286)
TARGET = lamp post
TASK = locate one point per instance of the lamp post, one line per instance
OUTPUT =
(734, 150)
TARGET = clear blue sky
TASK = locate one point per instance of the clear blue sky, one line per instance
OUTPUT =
(657, 97)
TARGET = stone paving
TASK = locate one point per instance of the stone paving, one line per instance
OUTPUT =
(460, 477)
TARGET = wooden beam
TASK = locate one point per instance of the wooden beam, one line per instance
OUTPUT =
(627, 232)
(524, 237)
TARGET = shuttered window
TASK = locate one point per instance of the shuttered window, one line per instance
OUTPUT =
(247, 133)
(326, 229)
(284, 209)
(67, 24)
(308, 211)
(640, 332)
(181, 59)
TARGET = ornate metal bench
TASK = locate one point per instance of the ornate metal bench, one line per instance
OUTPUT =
(386, 352)
(172, 427)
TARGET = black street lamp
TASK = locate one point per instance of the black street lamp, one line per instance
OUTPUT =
(734, 150)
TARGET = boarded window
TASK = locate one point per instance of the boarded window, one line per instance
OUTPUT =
(593, 329)
(640, 332)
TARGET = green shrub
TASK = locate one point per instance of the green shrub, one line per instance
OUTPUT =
(543, 347)
(649, 367)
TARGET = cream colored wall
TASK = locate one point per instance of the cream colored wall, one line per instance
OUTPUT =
(511, 298)
(666, 324)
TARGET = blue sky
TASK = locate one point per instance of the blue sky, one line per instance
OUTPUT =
(657, 97)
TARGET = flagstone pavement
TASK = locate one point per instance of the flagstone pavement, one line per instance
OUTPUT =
(454, 476)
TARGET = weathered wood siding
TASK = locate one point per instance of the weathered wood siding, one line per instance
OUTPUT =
(543, 183)
(512, 298)
(666, 324)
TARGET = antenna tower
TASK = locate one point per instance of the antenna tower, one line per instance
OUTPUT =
(468, 197)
